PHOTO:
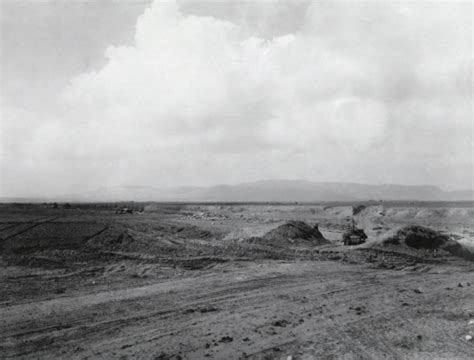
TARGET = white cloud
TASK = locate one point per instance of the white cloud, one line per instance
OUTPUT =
(205, 76)
(351, 82)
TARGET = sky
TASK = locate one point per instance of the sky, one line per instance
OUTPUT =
(164, 93)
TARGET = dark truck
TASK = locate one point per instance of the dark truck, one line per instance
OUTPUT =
(354, 237)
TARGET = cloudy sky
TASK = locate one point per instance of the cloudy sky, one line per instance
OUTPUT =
(163, 93)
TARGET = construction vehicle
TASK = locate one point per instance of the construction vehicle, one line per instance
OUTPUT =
(124, 210)
(354, 236)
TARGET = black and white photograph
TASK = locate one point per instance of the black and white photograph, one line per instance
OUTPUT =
(237, 179)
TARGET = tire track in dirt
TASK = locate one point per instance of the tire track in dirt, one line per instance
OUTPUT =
(17, 223)
(12, 226)
(333, 330)
(327, 317)
(243, 297)
(374, 347)
(142, 334)
(395, 312)
(205, 296)
(240, 287)
(96, 234)
(234, 291)
(109, 326)
(202, 299)
(35, 224)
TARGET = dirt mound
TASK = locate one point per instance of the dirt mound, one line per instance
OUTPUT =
(418, 237)
(292, 233)
(421, 238)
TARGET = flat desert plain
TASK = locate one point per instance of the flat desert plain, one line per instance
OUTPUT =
(230, 281)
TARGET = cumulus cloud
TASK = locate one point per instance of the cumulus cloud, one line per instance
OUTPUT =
(351, 91)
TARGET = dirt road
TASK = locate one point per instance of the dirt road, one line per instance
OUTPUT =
(269, 309)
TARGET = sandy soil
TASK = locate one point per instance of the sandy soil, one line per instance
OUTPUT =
(180, 282)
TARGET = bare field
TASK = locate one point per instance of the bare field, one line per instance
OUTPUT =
(192, 281)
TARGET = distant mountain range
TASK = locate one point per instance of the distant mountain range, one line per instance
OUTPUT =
(269, 191)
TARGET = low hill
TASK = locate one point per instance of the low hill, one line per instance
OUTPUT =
(273, 191)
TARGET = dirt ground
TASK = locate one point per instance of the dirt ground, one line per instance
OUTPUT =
(182, 281)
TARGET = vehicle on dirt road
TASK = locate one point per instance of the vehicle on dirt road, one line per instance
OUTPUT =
(354, 237)
(124, 211)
